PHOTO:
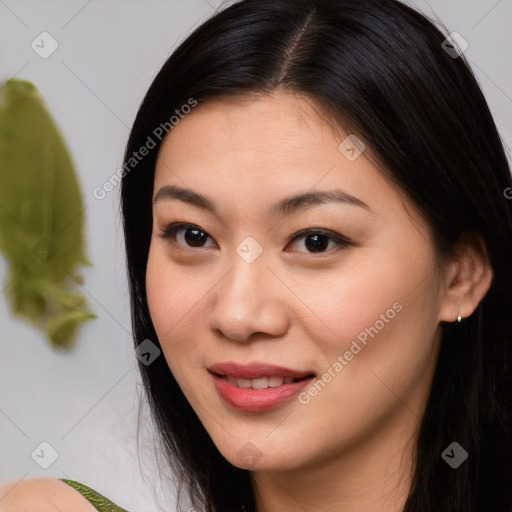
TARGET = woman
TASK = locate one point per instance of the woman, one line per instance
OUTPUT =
(319, 241)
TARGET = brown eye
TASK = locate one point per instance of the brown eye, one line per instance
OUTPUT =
(192, 237)
(317, 241)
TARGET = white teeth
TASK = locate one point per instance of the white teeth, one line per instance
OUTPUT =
(244, 383)
(275, 381)
(261, 382)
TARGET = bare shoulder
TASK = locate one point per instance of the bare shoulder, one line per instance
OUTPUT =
(41, 495)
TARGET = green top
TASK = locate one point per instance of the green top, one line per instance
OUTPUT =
(99, 502)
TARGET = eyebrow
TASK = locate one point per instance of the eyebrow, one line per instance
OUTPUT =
(286, 206)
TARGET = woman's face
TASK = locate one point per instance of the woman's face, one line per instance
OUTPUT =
(242, 286)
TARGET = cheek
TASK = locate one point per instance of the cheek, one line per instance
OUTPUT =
(174, 296)
(376, 334)
(362, 300)
(374, 321)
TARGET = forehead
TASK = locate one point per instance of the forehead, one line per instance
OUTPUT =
(264, 148)
(263, 123)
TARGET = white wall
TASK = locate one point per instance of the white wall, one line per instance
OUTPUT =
(85, 403)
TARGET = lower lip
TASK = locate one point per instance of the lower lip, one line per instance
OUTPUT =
(256, 400)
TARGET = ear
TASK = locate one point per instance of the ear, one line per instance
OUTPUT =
(468, 277)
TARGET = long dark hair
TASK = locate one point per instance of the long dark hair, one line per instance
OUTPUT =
(379, 69)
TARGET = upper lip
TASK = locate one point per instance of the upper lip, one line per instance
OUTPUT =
(256, 370)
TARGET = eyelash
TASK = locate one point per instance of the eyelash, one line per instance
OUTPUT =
(169, 233)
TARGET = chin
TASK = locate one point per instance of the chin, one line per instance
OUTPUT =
(261, 456)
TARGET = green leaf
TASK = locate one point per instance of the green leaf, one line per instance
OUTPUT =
(41, 216)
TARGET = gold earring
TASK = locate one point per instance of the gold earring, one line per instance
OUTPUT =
(459, 318)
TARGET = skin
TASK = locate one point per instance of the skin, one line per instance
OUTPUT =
(351, 446)
(42, 495)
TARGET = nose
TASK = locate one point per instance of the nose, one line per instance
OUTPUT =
(249, 301)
